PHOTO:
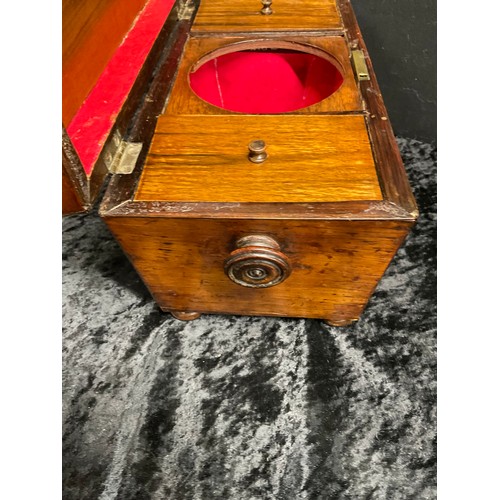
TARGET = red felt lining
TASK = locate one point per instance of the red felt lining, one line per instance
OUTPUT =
(93, 122)
(265, 82)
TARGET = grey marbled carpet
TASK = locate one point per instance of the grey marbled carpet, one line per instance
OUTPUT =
(244, 408)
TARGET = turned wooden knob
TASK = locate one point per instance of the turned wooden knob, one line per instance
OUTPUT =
(257, 151)
(257, 262)
(266, 9)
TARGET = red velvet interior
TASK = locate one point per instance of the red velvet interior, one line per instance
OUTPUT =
(265, 82)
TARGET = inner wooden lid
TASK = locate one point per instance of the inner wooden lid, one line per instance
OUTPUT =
(325, 158)
(287, 15)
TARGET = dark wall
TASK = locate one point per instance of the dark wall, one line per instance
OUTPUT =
(401, 39)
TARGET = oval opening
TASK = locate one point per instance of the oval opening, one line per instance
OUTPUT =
(265, 81)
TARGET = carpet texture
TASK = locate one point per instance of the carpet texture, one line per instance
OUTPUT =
(245, 408)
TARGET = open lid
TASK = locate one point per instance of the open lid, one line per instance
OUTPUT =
(108, 55)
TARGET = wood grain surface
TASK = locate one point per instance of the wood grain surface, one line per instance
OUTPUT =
(332, 193)
(335, 264)
(75, 190)
(79, 190)
(91, 32)
(184, 101)
(70, 202)
(311, 159)
(394, 179)
(245, 16)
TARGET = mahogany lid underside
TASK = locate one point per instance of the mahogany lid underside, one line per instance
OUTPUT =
(93, 120)
(91, 32)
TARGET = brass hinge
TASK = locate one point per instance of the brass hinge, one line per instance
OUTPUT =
(185, 11)
(359, 63)
(121, 156)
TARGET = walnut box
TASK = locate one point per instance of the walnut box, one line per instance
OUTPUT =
(253, 167)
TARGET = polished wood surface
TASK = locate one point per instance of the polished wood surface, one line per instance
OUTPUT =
(74, 181)
(91, 32)
(335, 265)
(184, 101)
(244, 16)
(392, 172)
(179, 226)
(324, 158)
(70, 202)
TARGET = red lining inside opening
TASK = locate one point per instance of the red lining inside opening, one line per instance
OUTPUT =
(93, 122)
(265, 82)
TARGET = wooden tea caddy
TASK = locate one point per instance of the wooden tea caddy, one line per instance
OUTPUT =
(255, 170)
